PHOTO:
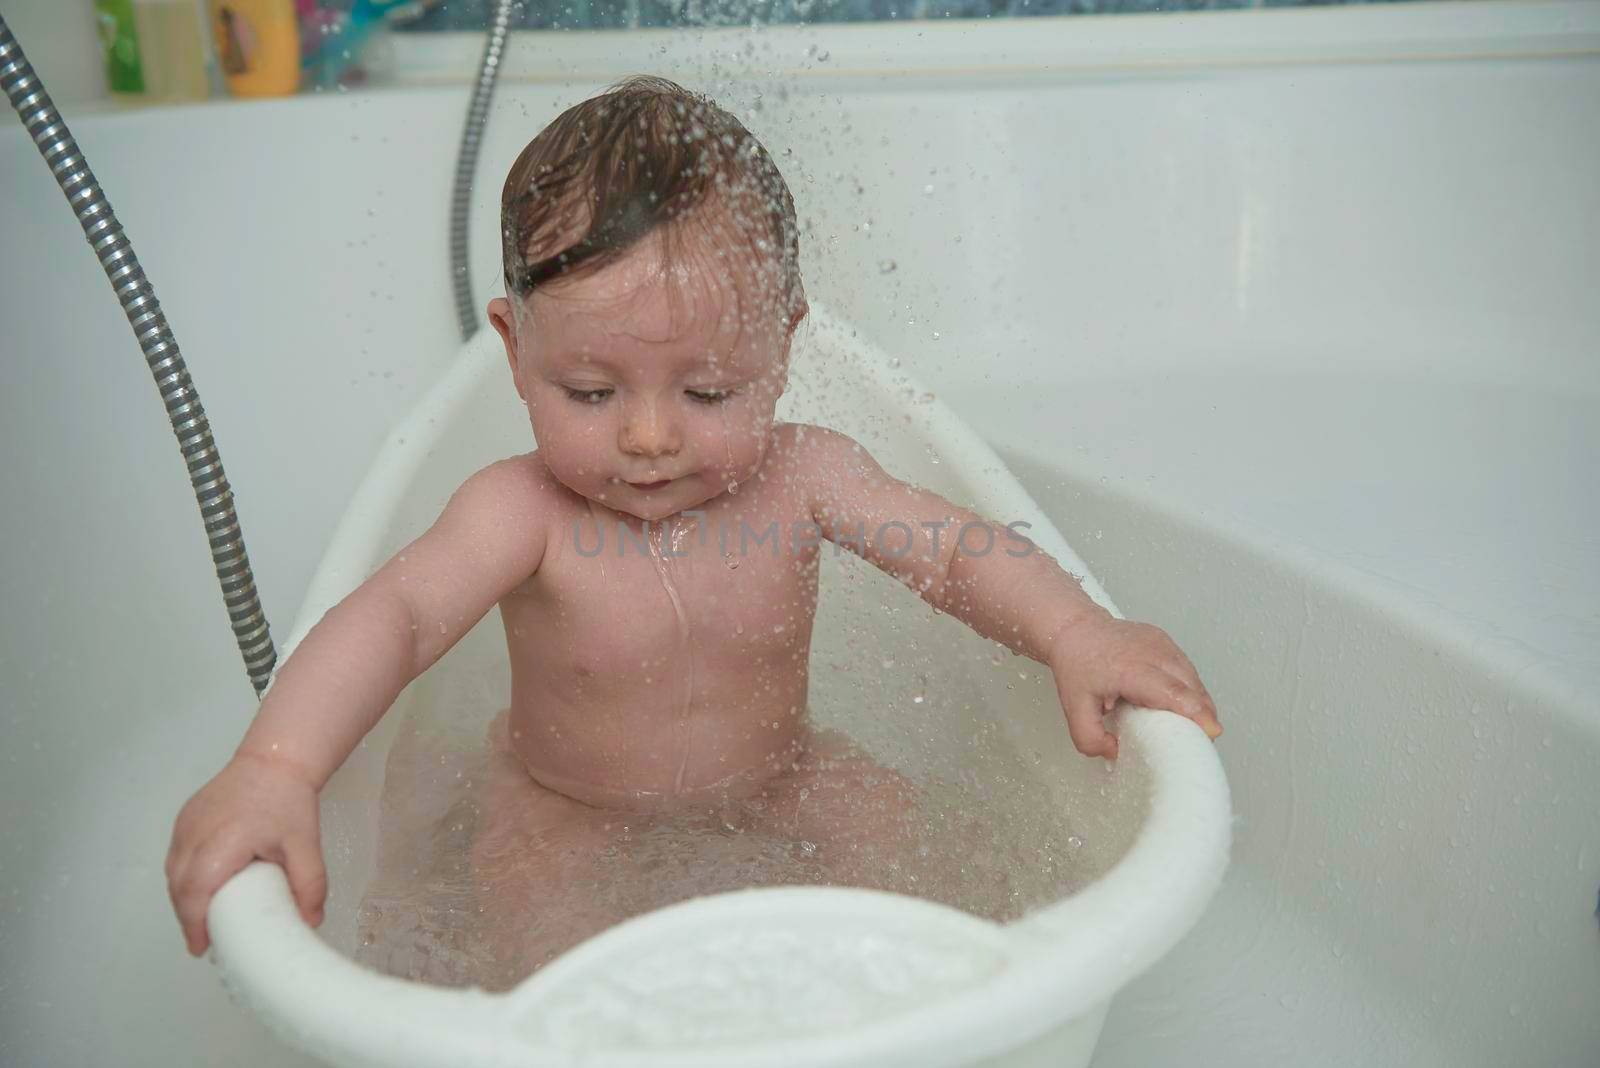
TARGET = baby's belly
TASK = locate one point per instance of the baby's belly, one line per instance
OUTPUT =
(648, 752)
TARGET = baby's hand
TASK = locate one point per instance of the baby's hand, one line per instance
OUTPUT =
(1101, 660)
(254, 808)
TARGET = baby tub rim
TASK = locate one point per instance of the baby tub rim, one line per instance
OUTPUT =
(1066, 958)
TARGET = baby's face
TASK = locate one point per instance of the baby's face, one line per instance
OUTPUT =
(646, 395)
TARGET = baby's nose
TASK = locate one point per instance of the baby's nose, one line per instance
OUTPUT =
(647, 430)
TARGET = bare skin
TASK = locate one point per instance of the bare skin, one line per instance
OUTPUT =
(656, 678)
(549, 871)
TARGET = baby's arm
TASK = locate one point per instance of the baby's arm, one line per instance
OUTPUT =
(1003, 587)
(340, 681)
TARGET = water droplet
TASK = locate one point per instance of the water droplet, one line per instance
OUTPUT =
(887, 266)
(1075, 842)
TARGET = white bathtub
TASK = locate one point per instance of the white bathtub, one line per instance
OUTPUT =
(1323, 325)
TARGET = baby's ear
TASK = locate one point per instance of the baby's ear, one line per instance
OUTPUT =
(500, 318)
(795, 319)
(798, 316)
(785, 354)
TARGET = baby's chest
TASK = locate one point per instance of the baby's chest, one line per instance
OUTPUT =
(631, 604)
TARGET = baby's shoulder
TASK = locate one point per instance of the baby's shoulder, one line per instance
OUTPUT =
(807, 449)
(810, 441)
(516, 488)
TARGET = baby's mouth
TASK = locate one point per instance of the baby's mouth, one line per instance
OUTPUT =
(651, 487)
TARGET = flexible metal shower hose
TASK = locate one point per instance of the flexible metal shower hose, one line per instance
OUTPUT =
(467, 165)
(134, 291)
(60, 151)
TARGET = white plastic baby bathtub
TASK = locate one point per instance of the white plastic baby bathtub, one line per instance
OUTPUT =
(777, 976)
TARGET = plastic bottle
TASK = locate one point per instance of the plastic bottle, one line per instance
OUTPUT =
(119, 36)
(258, 46)
(172, 49)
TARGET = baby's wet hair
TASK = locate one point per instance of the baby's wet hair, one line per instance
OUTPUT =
(645, 157)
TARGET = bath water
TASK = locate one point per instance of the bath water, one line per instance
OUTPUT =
(445, 906)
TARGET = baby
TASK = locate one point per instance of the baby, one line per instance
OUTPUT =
(658, 645)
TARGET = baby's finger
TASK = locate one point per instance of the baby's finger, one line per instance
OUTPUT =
(177, 864)
(1184, 669)
(1208, 721)
(1155, 688)
(189, 902)
(1198, 704)
(1148, 685)
(1205, 712)
(1207, 717)
(207, 869)
(308, 878)
(176, 855)
(1086, 724)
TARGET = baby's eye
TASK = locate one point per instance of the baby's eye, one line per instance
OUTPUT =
(709, 396)
(587, 396)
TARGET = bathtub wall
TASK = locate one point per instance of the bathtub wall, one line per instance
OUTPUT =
(1261, 219)
(1433, 217)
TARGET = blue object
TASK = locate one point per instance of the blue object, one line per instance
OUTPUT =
(338, 36)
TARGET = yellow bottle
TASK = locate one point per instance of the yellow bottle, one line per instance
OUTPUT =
(258, 46)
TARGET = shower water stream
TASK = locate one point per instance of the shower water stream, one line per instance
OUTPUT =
(659, 539)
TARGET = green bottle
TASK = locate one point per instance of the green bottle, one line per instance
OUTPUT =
(120, 39)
